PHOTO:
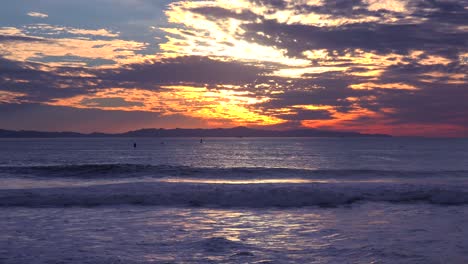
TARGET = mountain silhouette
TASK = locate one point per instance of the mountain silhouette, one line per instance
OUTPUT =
(182, 132)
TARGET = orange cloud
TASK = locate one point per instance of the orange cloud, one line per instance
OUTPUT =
(11, 97)
(221, 106)
(117, 50)
(372, 86)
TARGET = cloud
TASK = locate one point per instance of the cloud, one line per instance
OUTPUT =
(16, 44)
(38, 15)
(186, 69)
(210, 89)
(221, 107)
(51, 30)
(370, 86)
(10, 97)
(364, 65)
(371, 37)
(57, 118)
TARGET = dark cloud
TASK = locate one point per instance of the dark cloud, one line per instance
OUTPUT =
(343, 9)
(4, 38)
(273, 4)
(442, 99)
(56, 118)
(381, 38)
(301, 114)
(41, 84)
(330, 88)
(215, 13)
(417, 74)
(109, 102)
(445, 105)
(445, 12)
(190, 69)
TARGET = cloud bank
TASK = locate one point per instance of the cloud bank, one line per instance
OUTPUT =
(389, 66)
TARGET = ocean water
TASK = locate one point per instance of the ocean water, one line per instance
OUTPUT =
(234, 200)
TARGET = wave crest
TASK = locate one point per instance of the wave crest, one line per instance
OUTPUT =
(97, 171)
(228, 195)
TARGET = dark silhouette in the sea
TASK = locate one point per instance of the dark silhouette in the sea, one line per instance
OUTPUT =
(201, 140)
(200, 133)
(134, 145)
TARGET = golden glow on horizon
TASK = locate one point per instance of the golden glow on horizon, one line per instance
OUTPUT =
(315, 107)
(339, 120)
(228, 107)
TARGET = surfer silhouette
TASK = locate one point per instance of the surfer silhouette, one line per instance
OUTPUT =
(134, 145)
(201, 140)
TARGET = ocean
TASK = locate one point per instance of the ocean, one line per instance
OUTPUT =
(233, 200)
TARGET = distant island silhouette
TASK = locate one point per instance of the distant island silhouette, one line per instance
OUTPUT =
(182, 132)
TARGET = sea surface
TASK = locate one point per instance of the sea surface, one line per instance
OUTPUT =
(234, 200)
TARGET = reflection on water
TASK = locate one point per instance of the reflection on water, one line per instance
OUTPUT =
(243, 181)
(366, 233)
(390, 154)
(24, 183)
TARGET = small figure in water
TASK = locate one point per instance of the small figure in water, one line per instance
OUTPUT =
(134, 145)
(201, 140)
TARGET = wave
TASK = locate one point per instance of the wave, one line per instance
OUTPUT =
(97, 171)
(234, 195)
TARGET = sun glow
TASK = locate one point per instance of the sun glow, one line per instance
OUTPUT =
(229, 107)
(223, 40)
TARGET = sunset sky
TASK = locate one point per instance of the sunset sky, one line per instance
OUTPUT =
(372, 66)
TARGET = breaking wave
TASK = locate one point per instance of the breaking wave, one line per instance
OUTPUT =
(165, 185)
(97, 171)
(234, 195)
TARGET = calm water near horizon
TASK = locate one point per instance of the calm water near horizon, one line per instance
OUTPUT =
(234, 200)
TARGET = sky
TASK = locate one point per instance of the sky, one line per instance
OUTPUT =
(373, 66)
